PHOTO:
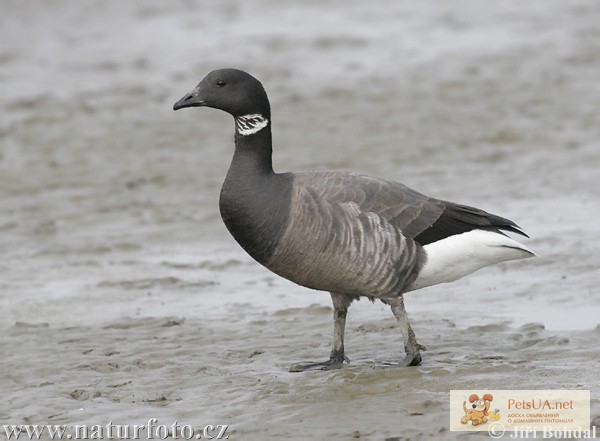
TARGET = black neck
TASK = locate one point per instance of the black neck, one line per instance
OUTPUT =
(254, 200)
(253, 153)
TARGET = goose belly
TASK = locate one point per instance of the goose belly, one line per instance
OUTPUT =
(364, 257)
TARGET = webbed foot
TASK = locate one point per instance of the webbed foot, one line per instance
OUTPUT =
(335, 362)
(413, 355)
(412, 358)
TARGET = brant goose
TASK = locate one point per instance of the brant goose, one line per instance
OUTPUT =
(346, 233)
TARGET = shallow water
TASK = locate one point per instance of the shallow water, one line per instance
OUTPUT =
(125, 299)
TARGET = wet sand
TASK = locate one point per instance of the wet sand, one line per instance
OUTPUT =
(125, 299)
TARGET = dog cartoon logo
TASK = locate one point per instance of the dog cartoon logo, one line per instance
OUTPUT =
(477, 410)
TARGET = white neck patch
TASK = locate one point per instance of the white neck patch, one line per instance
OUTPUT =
(250, 124)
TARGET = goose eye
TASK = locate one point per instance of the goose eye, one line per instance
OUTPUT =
(221, 83)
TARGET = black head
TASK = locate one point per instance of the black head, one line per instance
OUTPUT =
(232, 90)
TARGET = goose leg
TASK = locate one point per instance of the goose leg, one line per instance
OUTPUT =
(341, 302)
(411, 347)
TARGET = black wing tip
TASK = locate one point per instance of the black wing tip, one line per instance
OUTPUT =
(513, 228)
(503, 224)
(457, 219)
